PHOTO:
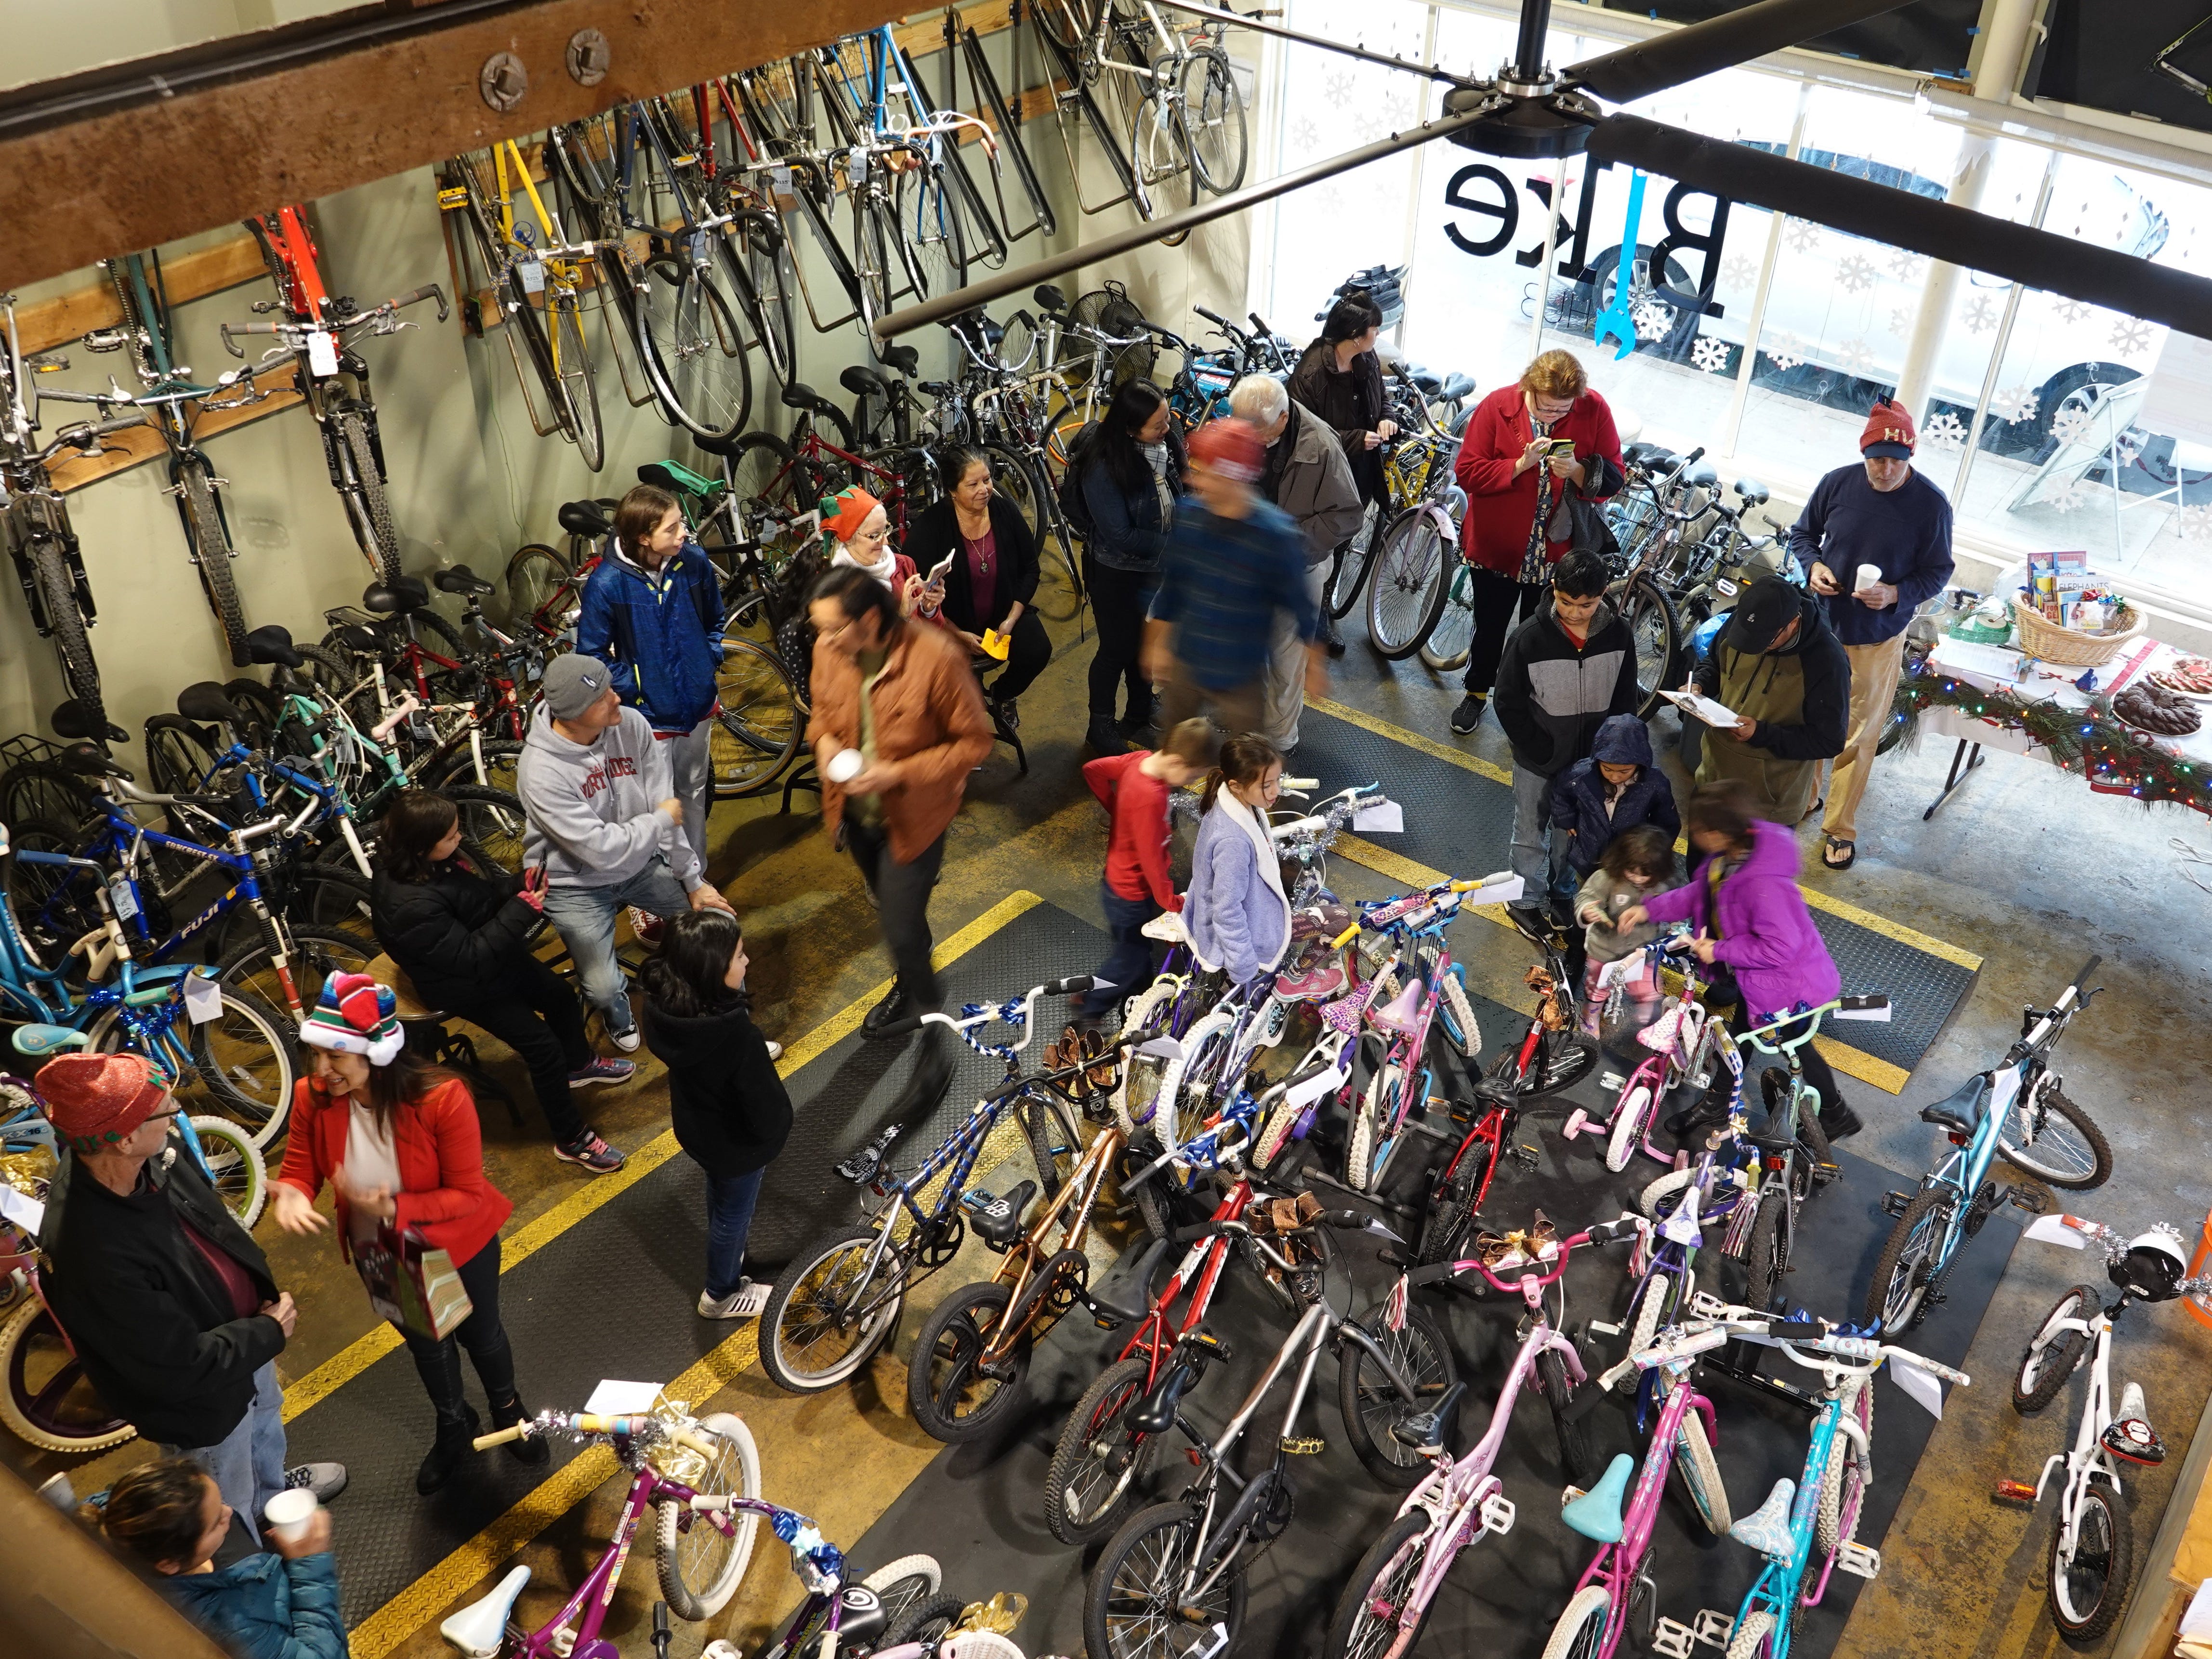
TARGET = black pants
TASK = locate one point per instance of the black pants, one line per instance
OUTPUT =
(1119, 600)
(901, 893)
(1500, 603)
(439, 1361)
(532, 1010)
(1810, 1059)
(1031, 649)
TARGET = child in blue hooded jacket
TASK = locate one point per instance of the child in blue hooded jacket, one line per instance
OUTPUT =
(1618, 788)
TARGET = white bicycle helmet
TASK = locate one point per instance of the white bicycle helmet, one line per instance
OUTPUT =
(2154, 1265)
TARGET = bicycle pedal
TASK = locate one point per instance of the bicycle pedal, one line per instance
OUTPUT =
(1896, 1204)
(1530, 1156)
(1672, 1640)
(1860, 1560)
(2027, 1198)
(1305, 1446)
(1498, 1513)
(1598, 1328)
(1713, 1627)
(2013, 1492)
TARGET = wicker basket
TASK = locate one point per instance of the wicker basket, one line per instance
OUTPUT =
(2046, 640)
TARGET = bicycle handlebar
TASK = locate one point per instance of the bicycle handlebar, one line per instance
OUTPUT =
(1861, 1353)
(2070, 1000)
(1605, 1232)
(1812, 1015)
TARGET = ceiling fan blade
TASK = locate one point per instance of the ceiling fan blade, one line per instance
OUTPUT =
(2038, 258)
(1737, 37)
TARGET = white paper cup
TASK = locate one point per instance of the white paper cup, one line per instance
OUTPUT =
(1869, 575)
(288, 1513)
(844, 766)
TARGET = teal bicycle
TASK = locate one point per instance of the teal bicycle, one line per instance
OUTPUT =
(2016, 1111)
(1794, 1160)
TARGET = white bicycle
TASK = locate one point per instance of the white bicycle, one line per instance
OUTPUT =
(2093, 1548)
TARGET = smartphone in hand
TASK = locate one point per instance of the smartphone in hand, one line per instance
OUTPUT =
(533, 878)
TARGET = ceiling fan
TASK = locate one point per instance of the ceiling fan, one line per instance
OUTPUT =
(1528, 111)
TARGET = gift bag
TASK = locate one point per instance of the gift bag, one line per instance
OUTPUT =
(414, 1285)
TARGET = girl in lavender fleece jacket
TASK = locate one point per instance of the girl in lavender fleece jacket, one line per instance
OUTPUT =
(1751, 920)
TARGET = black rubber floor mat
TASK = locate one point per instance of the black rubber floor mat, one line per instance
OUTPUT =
(978, 1508)
(614, 1295)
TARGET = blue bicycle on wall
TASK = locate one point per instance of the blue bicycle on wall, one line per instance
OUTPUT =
(2017, 1111)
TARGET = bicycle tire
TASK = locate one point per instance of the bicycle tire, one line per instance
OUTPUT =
(177, 761)
(1564, 1058)
(2068, 1177)
(770, 276)
(492, 825)
(1012, 477)
(805, 1293)
(502, 760)
(759, 723)
(1634, 1105)
(1406, 590)
(1452, 1207)
(1653, 1293)
(1360, 1144)
(57, 587)
(1220, 142)
(211, 547)
(690, 341)
(42, 1375)
(1371, 1407)
(333, 673)
(1752, 1637)
(331, 896)
(316, 954)
(936, 256)
(927, 1620)
(1347, 572)
(1844, 1481)
(2051, 1356)
(873, 284)
(900, 1585)
(1700, 1472)
(373, 516)
(1274, 1133)
(1762, 1264)
(944, 1368)
(1813, 1141)
(1056, 1145)
(1367, 1619)
(764, 471)
(1111, 1606)
(1898, 1294)
(53, 905)
(234, 1167)
(1655, 629)
(1451, 642)
(535, 574)
(1461, 1030)
(698, 1583)
(2108, 1571)
(1160, 157)
(1095, 1441)
(1665, 1187)
(580, 376)
(1575, 1459)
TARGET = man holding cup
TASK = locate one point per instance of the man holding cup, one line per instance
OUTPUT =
(1876, 541)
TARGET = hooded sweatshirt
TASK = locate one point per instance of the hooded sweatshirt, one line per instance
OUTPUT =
(1584, 802)
(593, 807)
(1552, 694)
(1762, 928)
(1801, 696)
(725, 1102)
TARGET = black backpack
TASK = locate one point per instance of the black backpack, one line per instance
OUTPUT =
(1072, 506)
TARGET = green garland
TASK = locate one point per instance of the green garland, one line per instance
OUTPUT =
(2091, 743)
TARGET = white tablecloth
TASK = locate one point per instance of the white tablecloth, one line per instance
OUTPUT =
(1991, 667)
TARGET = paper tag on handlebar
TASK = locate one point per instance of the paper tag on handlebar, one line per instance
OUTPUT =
(531, 272)
(779, 186)
(1384, 817)
(203, 999)
(1917, 1386)
(322, 352)
(617, 1399)
(123, 896)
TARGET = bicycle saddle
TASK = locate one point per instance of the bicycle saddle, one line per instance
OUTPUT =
(1048, 297)
(1136, 1285)
(1596, 1513)
(1767, 1529)
(73, 720)
(460, 580)
(356, 636)
(999, 1221)
(1425, 1431)
(1455, 387)
(1704, 475)
(864, 382)
(272, 643)
(584, 519)
(92, 761)
(480, 1628)
(1960, 1111)
(2128, 1435)
(208, 701)
(1648, 455)
(1754, 494)
(401, 597)
(1404, 1010)
(39, 1041)
(1427, 379)
(798, 395)
(900, 359)
(1155, 1413)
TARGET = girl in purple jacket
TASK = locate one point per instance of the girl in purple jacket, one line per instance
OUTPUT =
(1752, 921)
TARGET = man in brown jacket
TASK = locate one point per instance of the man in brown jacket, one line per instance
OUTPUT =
(901, 694)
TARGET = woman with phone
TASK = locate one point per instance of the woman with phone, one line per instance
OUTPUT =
(1533, 451)
(1340, 378)
(981, 562)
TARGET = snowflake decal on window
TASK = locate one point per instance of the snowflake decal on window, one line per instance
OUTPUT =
(1900, 322)
(2015, 403)
(2072, 310)
(1980, 315)
(1906, 265)
(1945, 432)
(2197, 523)
(2070, 424)
(1710, 355)
(1802, 235)
(2068, 496)
(1305, 135)
(2129, 446)
(1855, 274)
(1787, 350)
(1855, 356)
(1653, 318)
(2131, 336)
(1736, 271)
(1337, 90)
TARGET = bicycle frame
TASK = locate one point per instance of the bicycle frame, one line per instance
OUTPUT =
(1200, 1271)
(1617, 1566)
(1780, 1583)
(1030, 1274)
(2089, 1459)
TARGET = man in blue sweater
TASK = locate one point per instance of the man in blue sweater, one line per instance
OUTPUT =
(1231, 561)
(1875, 539)
(653, 613)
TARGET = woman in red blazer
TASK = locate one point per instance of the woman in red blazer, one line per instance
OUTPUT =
(1517, 525)
(399, 1142)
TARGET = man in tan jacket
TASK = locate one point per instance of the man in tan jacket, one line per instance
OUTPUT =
(900, 693)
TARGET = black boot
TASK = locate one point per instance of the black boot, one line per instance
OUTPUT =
(892, 1016)
(1838, 1120)
(448, 1451)
(1104, 739)
(505, 1414)
(1711, 1107)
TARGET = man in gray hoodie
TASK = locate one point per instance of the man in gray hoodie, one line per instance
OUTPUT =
(605, 825)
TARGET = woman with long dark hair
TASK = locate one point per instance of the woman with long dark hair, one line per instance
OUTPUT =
(725, 1102)
(1131, 465)
(992, 584)
(1340, 378)
(397, 1140)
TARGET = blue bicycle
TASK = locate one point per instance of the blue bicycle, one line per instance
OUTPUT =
(2016, 1111)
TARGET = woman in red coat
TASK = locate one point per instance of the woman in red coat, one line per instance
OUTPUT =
(397, 1142)
(1518, 524)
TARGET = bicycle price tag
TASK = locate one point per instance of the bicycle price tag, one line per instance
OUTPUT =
(123, 896)
(856, 168)
(203, 999)
(532, 274)
(779, 186)
(322, 352)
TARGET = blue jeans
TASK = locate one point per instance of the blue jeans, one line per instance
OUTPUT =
(1130, 968)
(247, 1464)
(586, 917)
(730, 1201)
(1550, 881)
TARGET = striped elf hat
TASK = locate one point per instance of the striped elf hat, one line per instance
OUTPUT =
(356, 1016)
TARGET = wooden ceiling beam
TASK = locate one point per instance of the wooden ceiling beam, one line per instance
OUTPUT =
(142, 153)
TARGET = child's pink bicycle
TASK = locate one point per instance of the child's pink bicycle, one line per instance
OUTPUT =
(1382, 1610)
(1684, 1043)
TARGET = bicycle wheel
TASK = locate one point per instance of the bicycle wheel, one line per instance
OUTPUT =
(1159, 155)
(1347, 572)
(1448, 643)
(237, 1065)
(932, 244)
(1580, 1632)
(904, 1588)
(1099, 1461)
(47, 1401)
(1405, 593)
(1563, 1059)
(234, 1166)
(700, 1566)
(771, 279)
(1455, 1021)
(1843, 1482)
(1371, 1407)
(1369, 1620)
(492, 825)
(954, 1398)
(1133, 1606)
(330, 897)
(538, 584)
(1452, 1207)
(211, 548)
(2062, 1148)
(572, 361)
(1752, 1638)
(2053, 1353)
(57, 587)
(1056, 1145)
(1653, 1200)
(178, 763)
(1653, 1292)
(1899, 1292)
(1060, 588)
(502, 758)
(1762, 1256)
(822, 1322)
(1575, 1459)
(372, 513)
(758, 727)
(1628, 1115)
(2089, 1584)
(1657, 632)
(1701, 1476)
(1213, 107)
(317, 953)
(693, 352)
(875, 268)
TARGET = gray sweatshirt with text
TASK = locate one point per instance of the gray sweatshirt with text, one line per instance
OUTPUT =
(592, 807)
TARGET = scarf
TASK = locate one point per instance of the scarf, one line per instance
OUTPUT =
(883, 571)
(1532, 557)
(1263, 847)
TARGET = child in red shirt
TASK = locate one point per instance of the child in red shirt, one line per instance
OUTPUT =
(1133, 787)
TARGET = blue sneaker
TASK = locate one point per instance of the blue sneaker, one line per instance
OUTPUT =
(588, 1152)
(602, 1069)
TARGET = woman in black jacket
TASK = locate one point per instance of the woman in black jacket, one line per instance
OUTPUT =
(1129, 468)
(991, 582)
(1340, 378)
(464, 939)
(725, 1102)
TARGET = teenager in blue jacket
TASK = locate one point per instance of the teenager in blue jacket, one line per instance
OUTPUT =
(1618, 788)
(653, 613)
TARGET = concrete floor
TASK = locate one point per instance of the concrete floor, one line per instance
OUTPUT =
(2024, 867)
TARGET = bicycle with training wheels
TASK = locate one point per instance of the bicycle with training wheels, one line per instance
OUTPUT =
(1685, 1047)
(2018, 1110)
(1795, 1159)
(2093, 1545)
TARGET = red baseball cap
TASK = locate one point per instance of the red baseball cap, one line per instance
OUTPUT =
(1231, 447)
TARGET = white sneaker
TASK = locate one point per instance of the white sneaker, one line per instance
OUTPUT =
(625, 1041)
(774, 1048)
(744, 1302)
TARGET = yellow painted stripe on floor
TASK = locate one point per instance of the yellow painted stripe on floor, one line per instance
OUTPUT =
(1867, 1068)
(1382, 729)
